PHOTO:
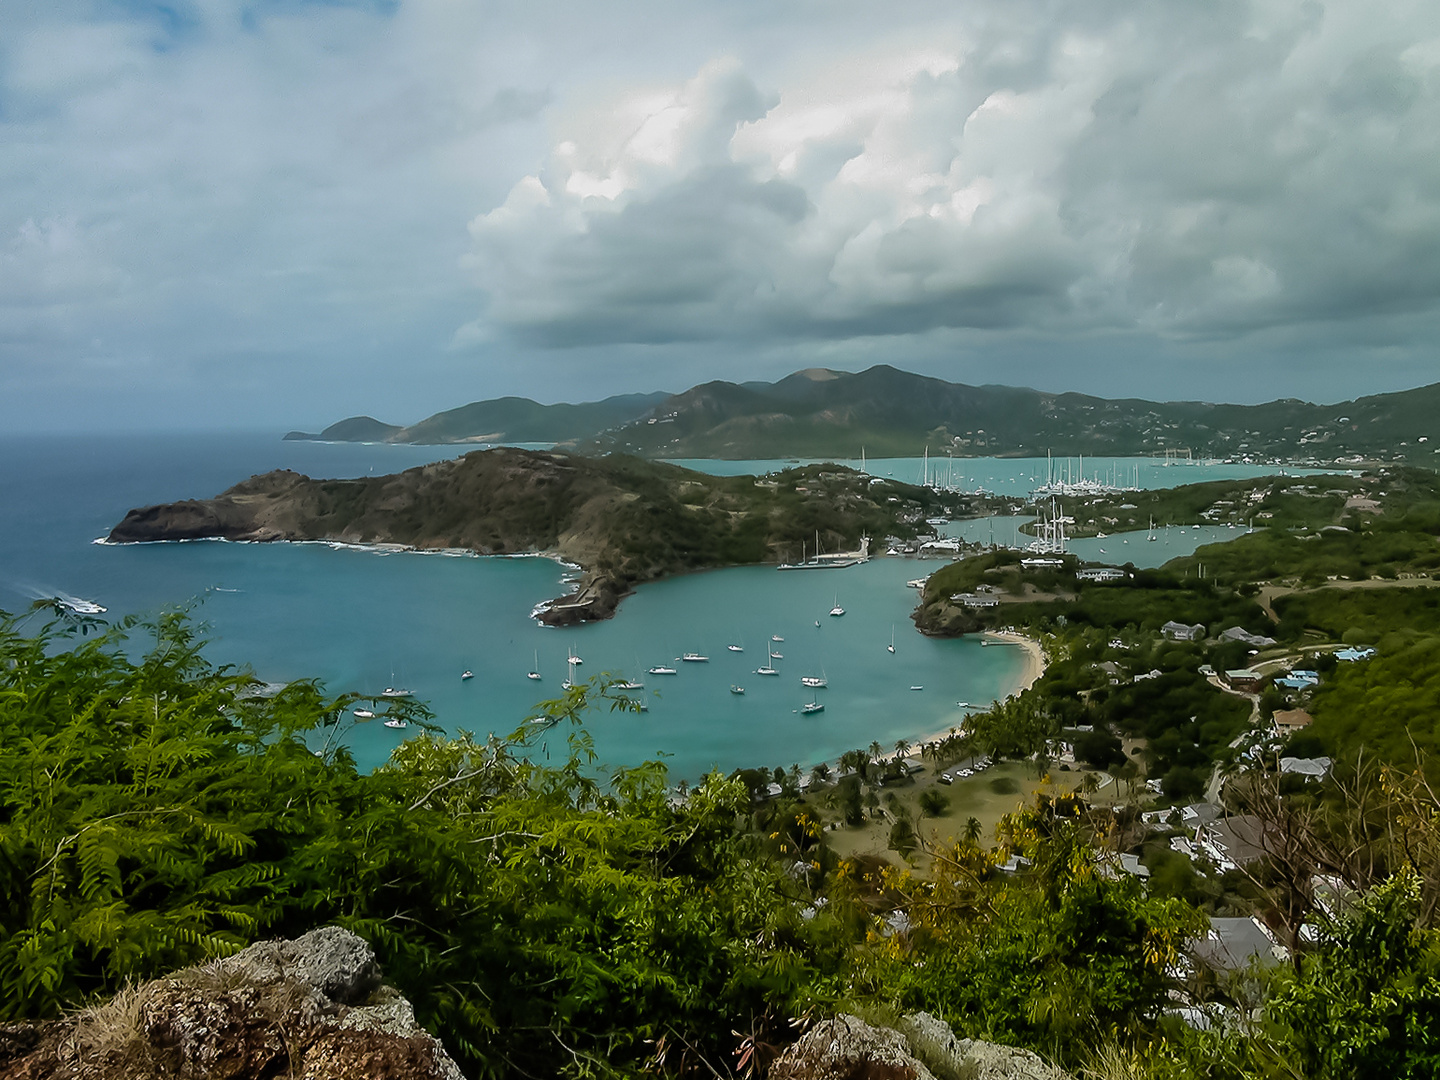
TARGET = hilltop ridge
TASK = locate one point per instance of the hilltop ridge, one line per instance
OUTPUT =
(820, 412)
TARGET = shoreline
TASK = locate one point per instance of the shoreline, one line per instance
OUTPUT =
(1030, 674)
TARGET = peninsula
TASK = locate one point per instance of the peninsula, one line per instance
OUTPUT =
(624, 521)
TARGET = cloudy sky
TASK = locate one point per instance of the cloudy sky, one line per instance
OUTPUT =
(278, 212)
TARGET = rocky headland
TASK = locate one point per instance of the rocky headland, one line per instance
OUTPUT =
(622, 520)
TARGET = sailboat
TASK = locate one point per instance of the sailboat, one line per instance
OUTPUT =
(767, 669)
(736, 648)
(1152, 537)
(837, 609)
(534, 672)
(891, 646)
(813, 707)
(661, 669)
(569, 682)
(815, 682)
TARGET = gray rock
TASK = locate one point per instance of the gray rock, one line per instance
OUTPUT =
(339, 964)
(932, 1041)
(847, 1048)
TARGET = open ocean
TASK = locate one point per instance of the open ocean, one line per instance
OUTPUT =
(361, 620)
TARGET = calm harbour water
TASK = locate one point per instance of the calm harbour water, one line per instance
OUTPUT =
(361, 620)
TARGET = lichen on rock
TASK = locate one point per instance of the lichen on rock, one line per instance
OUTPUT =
(313, 1008)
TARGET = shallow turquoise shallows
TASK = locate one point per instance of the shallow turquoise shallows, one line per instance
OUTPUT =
(363, 621)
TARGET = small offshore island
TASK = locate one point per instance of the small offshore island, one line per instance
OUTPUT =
(622, 520)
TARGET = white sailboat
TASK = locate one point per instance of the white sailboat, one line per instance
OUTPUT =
(534, 673)
(891, 646)
(569, 682)
(661, 669)
(769, 668)
(815, 682)
(837, 609)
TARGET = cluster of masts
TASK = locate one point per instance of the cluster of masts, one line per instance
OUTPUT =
(1063, 480)
(1050, 531)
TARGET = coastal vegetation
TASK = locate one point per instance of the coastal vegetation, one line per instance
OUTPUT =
(554, 920)
(823, 413)
(624, 521)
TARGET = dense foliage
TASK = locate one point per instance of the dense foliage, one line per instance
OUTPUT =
(560, 920)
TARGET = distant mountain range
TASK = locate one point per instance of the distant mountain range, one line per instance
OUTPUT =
(891, 413)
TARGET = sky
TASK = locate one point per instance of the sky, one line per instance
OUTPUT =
(276, 213)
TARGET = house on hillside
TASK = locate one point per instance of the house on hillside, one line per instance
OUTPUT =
(1239, 633)
(1100, 574)
(1232, 943)
(1289, 721)
(1178, 631)
(1246, 680)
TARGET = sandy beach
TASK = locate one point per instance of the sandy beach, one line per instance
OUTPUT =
(1029, 675)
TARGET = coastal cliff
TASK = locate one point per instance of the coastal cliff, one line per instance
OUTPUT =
(622, 520)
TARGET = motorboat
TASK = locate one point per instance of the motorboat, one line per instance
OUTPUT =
(734, 648)
(776, 637)
(661, 669)
(917, 688)
(365, 714)
(394, 722)
(694, 658)
(630, 685)
(777, 656)
(737, 690)
(76, 606)
(466, 674)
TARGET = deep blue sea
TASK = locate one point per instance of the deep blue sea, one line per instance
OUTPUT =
(360, 620)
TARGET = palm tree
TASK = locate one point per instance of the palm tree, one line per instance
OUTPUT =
(901, 747)
(972, 831)
(876, 750)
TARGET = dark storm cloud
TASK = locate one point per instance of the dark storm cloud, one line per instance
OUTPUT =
(1186, 173)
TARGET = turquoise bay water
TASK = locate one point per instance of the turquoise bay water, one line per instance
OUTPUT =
(363, 620)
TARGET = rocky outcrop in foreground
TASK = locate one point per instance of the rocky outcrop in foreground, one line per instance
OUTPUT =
(924, 1048)
(312, 1009)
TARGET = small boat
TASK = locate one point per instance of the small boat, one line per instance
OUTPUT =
(891, 646)
(837, 609)
(817, 624)
(630, 685)
(963, 704)
(777, 656)
(917, 688)
(737, 690)
(811, 708)
(394, 723)
(695, 658)
(735, 648)
(660, 669)
(76, 606)
(466, 674)
(396, 692)
(365, 714)
(776, 637)
(534, 672)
